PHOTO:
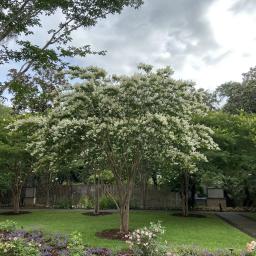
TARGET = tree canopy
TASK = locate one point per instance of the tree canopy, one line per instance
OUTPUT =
(239, 96)
(233, 167)
(15, 160)
(119, 122)
(40, 66)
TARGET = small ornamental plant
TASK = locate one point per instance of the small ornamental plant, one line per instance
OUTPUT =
(19, 247)
(251, 248)
(75, 245)
(144, 241)
(7, 226)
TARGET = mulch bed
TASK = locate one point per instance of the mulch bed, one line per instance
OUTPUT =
(96, 215)
(14, 213)
(126, 252)
(112, 234)
(193, 215)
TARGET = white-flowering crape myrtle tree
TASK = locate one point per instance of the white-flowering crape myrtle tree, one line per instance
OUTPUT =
(117, 122)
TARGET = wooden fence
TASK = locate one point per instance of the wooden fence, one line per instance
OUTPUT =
(149, 198)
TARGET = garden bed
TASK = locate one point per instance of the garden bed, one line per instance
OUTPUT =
(21, 242)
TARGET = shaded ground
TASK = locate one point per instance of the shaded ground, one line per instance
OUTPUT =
(240, 221)
(193, 215)
(113, 234)
(210, 232)
(101, 213)
(13, 213)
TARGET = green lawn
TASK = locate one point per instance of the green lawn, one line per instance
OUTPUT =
(209, 232)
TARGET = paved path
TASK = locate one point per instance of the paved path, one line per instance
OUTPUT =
(239, 221)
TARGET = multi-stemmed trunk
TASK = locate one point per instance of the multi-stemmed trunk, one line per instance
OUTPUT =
(16, 192)
(124, 174)
(185, 194)
(125, 192)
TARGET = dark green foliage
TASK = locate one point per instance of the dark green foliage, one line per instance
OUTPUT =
(15, 161)
(234, 165)
(63, 204)
(239, 96)
(196, 251)
(107, 203)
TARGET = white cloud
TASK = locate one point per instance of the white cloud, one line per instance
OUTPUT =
(235, 34)
(209, 41)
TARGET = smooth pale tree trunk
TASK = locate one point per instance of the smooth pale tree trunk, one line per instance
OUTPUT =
(185, 194)
(16, 199)
(144, 192)
(108, 194)
(47, 205)
(96, 196)
(70, 193)
(49, 177)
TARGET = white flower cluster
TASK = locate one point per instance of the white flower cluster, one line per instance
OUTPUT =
(144, 241)
(122, 122)
(251, 247)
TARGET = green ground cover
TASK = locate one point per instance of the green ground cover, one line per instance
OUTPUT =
(209, 232)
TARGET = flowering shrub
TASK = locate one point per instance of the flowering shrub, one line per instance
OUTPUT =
(7, 225)
(251, 248)
(143, 242)
(197, 251)
(75, 245)
(19, 247)
(22, 243)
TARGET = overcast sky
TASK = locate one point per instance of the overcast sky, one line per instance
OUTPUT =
(207, 41)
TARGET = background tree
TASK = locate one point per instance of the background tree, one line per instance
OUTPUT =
(233, 167)
(51, 166)
(239, 96)
(5, 118)
(35, 82)
(15, 161)
(209, 98)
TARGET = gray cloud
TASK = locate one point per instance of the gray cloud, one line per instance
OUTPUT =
(161, 32)
(244, 5)
(212, 60)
